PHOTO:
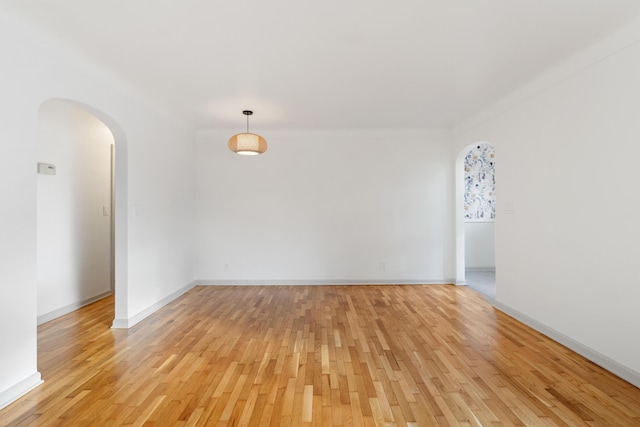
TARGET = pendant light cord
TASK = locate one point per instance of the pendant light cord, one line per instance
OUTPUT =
(247, 113)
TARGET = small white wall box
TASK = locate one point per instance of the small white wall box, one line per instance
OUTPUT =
(46, 168)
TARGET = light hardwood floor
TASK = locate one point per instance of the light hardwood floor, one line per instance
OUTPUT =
(316, 355)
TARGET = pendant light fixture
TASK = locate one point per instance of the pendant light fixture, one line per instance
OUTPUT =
(247, 143)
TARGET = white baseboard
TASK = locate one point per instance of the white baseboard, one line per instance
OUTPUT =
(13, 393)
(120, 324)
(481, 269)
(127, 323)
(313, 282)
(600, 359)
(44, 318)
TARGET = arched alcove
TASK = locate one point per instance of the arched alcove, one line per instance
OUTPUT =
(475, 213)
(82, 120)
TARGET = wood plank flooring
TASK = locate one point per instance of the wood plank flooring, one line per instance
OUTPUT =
(316, 355)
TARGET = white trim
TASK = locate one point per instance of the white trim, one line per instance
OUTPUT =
(120, 324)
(128, 323)
(600, 359)
(319, 282)
(44, 318)
(13, 393)
(481, 269)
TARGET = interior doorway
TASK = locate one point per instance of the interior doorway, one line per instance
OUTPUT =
(478, 162)
(75, 215)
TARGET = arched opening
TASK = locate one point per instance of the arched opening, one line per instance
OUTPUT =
(475, 217)
(81, 209)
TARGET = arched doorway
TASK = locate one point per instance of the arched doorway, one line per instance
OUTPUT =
(81, 218)
(475, 217)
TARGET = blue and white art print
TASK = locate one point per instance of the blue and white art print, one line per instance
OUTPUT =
(480, 183)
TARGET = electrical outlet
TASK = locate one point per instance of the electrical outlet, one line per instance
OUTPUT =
(226, 266)
(382, 266)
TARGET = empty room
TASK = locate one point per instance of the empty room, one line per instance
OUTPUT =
(331, 213)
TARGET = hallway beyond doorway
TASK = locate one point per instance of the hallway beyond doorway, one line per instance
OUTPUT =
(483, 281)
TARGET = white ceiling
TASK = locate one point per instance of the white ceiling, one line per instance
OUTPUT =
(326, 64)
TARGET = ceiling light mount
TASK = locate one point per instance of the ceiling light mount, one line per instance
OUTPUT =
(247, 143)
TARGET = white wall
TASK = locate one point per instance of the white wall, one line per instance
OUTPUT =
(326, 207)
(567, 234)
(73, 235)
(479, 245)
(154, 169)
(161, 214)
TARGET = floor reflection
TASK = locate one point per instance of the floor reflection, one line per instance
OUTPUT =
(483, 282)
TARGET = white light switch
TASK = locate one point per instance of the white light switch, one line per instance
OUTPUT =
(106, 211)
(46, 169)
(509, 208)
